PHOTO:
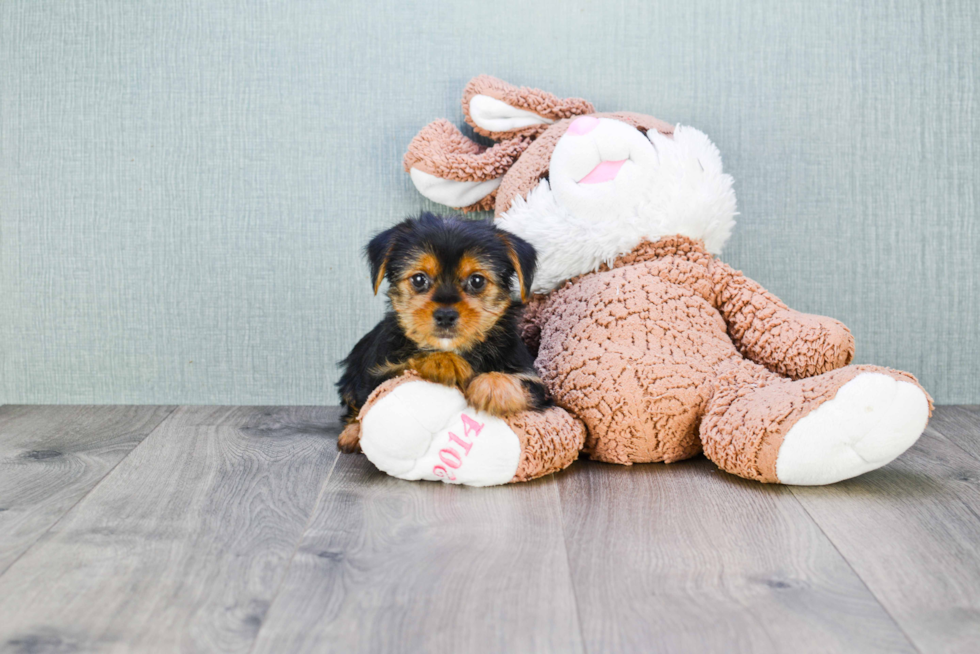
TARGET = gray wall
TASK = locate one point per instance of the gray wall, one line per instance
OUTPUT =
(185, 186)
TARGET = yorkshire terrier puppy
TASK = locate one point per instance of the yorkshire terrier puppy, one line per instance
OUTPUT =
(451, 317)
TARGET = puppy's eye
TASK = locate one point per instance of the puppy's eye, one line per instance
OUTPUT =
(475, 283)
(419, 281)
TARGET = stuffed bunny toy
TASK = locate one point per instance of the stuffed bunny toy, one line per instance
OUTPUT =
(652, 348)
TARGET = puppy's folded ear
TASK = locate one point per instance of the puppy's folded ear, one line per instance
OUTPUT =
(379, 251)
(524, 259)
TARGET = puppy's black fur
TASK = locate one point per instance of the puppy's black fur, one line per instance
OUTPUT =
(490, 344)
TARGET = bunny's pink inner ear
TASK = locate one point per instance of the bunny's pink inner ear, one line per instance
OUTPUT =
(496, 116)
(500, 110)
(459, 195)
(450, 169)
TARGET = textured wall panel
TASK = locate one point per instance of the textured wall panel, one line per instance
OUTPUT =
(185, 186)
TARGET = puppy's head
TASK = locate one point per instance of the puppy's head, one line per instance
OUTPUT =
(450, 280)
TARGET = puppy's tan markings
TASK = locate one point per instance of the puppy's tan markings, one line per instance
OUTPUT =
(381, 274)
(512, 253)
(414, 309)
(497, 393)
(444, 368)
(478, 313)
(350, 439)
(469, 264)
(427, 263)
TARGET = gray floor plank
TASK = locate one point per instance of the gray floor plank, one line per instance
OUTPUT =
(51, 456)
(395, 566)
(960, 424)
(190, 543)
(912, 532)
(183, 545)
(683, 557)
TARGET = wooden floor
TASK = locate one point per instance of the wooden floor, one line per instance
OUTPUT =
(241, 529)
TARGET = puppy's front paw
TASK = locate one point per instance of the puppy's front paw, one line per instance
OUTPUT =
(443, 368)
(497, 393)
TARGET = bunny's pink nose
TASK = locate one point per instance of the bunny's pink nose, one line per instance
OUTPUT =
(583, 125)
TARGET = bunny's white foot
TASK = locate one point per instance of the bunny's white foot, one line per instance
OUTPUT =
(421, 430)
(870, 421)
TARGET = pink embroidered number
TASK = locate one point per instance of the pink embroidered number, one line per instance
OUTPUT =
(466, 446)
(444, 455)
(449, 456)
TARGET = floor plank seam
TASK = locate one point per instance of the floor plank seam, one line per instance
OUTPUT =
(568, 564)
(299, 543)
(89, 491)
(949, 440)
(857, 575)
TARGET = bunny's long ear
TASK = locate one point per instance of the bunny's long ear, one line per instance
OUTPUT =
(501, 111)
(450, 169)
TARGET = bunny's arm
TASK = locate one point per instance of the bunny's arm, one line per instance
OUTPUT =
(769, 333)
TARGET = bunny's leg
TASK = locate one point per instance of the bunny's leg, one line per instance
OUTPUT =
(812, 431)
(413, 429)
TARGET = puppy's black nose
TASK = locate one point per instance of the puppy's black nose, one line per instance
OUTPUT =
(445, 317)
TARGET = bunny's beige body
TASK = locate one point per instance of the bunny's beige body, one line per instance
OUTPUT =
(653, 349)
